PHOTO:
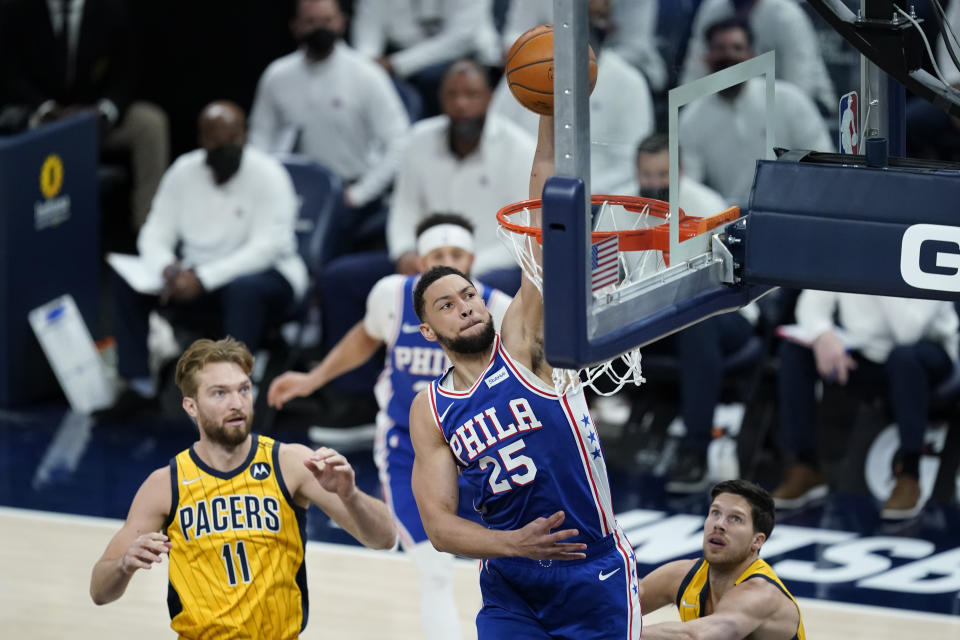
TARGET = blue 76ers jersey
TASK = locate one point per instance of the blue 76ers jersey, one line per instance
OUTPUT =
(412, 360)
(524, 451)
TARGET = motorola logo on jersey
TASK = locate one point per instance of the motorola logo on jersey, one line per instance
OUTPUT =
(930, 257)
(260, 471)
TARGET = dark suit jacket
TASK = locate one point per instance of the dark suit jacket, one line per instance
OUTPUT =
(33, 63)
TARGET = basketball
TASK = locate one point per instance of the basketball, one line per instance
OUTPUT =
(529, 69)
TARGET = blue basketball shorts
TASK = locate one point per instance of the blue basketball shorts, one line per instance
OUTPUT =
(586, 599)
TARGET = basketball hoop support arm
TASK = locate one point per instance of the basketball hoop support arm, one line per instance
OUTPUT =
(842, 227)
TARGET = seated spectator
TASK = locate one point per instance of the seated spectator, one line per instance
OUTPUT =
(621, 109)
(417, 41)
(701, 348)
(59, 58)
(628, 28)
(467, 161)
(777, 25)
(231, 209)
(334, 105)
(722, 135)
(896, 347)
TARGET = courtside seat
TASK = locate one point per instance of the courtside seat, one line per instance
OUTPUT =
(319, 219)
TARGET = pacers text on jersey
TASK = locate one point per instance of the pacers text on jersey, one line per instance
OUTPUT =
(227, 513)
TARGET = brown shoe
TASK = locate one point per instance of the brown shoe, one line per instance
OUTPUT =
(801, 485)
(904, 501)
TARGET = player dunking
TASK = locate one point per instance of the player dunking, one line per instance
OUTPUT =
(231, 512)
(412, 362)
(730, 593)
(532, 459)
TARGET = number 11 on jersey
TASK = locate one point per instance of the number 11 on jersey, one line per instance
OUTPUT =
(241, 555)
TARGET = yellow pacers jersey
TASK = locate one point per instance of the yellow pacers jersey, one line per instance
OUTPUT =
(237, 558)
(692, 595)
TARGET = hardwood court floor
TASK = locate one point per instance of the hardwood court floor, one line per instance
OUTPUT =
(355, 594)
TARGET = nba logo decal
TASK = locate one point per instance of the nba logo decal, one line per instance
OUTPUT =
(849, 124)
(260, 471)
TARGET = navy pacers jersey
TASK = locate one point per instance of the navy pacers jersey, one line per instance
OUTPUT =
(412, 360)
(526, 452)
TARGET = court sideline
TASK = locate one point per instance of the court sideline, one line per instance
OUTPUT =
(354, 593)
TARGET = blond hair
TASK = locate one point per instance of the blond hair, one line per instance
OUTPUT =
(205, 351)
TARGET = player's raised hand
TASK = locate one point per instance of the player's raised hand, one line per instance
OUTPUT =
(332, 471)
(537, 540)
(288, 386)
(146, 550)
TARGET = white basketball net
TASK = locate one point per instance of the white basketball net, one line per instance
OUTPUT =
(608, 377)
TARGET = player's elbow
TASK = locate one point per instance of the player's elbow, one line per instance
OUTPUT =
(439, 541)
(385, 542)
(99, 598)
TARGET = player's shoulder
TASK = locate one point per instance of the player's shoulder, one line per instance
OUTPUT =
(389, 284)
(421, 401)
(421, 411)
(670, 577)
(761, 594)
(159, 476)
(157, 489)
(664, 584)
(291, 451)
(678, 569)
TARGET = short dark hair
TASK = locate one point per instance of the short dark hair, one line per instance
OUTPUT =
(656, 142)
(427, 279)
(436, 219)
(762, 510)
(339, 4)
(466, 65)
(726, 24)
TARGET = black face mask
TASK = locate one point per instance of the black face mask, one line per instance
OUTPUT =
(720, 64)
(224, 161)
(657, 193)
(468, 131)
(319, 42)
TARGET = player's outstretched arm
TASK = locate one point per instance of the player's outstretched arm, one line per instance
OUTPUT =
(353, 350)
(659, 587)
(139, 543)
(522, 327)
(739, 613)
(325, 478)
(436, 491)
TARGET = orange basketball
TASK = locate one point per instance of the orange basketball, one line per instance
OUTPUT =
(529, 69)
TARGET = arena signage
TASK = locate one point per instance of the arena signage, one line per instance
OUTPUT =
(930, 257)
(840, 556)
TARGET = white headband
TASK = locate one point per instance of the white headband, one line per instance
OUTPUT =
(444, 235)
